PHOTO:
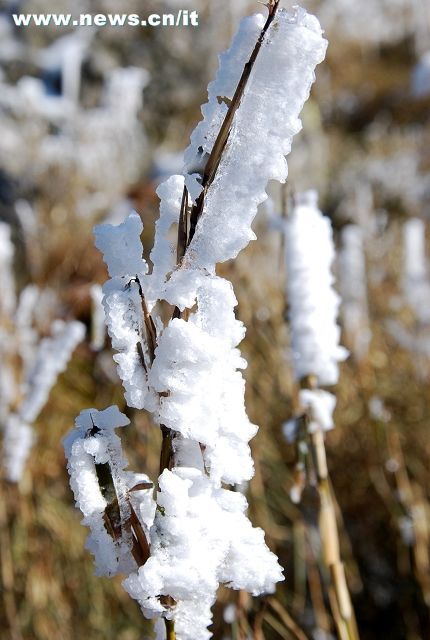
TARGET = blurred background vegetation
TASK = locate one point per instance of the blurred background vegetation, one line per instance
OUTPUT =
(90, 123)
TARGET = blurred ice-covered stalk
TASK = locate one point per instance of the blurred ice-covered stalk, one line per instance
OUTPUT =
(416, 283)
(30, 365)
(416, 293)
(313, 307)
(187, 372)
(353, 289)
(314, 304)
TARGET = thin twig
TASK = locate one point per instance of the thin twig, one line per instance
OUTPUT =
(288, 621)
(339, 596)
(182, 228)
(150, 330)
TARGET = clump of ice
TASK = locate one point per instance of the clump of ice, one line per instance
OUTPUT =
(94, 442)
(197, 369)
(309, 253)
(319, 406)
(121, 247)
(201, 539)
(163, 254)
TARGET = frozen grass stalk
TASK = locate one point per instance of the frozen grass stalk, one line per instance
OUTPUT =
(30, 364)
(194, 535)
(313, 303)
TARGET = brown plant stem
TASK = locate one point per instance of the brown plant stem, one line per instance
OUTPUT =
(7, 498)
(170, 629)
(339, 597)
(166, 455)
(412, 503)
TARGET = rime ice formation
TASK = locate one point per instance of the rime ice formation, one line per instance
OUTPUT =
(197, 369)
(319, 406)
(47, 360)
(121, 247)
(111, 131)
(93, 443)
(122, 251)
(187, 372)
(314, 304)
(203, 538)
(265, 124)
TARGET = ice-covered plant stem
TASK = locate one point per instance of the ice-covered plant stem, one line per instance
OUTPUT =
(187, 372)
(30, 363)
(189, 215)
(313, 304)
